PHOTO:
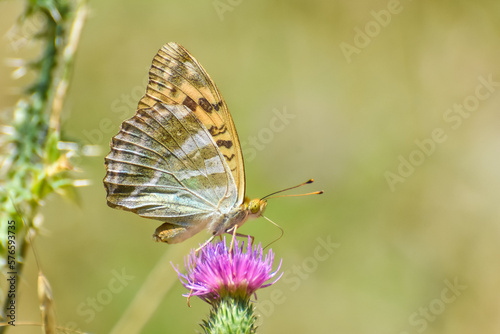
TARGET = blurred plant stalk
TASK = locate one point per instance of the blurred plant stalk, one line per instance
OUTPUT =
(34, 161)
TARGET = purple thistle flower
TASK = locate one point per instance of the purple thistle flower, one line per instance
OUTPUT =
(216, 272)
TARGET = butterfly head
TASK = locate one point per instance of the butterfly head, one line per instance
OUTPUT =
(256, 207)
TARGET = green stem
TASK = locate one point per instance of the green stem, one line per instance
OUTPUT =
(28, 176)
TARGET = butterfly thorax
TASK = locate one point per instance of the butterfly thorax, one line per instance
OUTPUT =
(238, 216)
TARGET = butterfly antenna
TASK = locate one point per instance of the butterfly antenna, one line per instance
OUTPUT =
(286, 189)
(278, 238)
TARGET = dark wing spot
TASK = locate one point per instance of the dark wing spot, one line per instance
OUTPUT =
(188, 102)
(122, 189)
(215, 131)
(205, 104)
(218, 105)
(229, 158)
(225, 143)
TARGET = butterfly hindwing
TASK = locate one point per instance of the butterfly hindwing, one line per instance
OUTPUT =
(165, 164)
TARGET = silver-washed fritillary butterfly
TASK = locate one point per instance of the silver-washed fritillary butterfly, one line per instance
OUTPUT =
(179, 160)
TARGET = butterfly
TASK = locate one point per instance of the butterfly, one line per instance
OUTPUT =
(179, 159)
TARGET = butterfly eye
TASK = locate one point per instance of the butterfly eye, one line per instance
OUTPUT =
(254, 206)
(257, 206)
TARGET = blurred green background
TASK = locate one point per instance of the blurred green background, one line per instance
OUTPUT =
(372, 93)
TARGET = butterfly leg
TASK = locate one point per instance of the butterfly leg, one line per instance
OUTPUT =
(189, 297)
(241, 235)
(204, 244)
(235, 234)
(232, 231)
(234, 228)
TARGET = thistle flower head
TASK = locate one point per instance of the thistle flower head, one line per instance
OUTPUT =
(216, 271)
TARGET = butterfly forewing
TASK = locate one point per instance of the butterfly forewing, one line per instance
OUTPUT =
(176, 77)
